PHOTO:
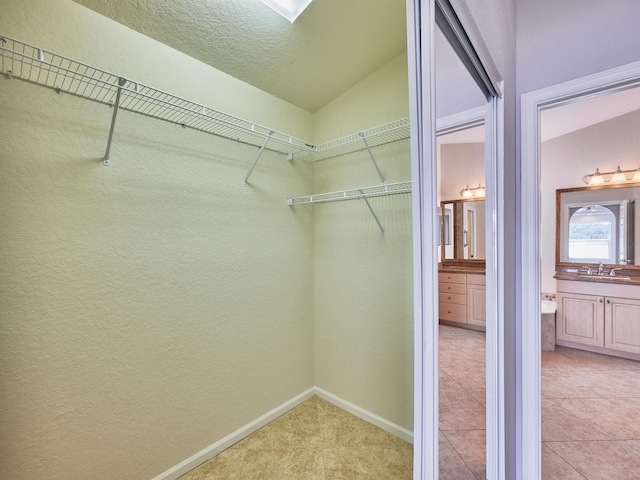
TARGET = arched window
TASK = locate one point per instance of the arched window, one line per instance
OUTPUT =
(592, 234)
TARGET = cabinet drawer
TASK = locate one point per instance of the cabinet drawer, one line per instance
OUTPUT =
(459, 288)
(476, 279)
(444, 277)
(453, 312)
(452, 298)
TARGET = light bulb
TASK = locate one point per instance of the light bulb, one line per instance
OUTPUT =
(480, 191)
(636, 176)
(466, 193)
(618, 176)
(596, 178)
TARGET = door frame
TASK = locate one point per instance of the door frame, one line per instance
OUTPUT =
(421, 16)
(532, 104)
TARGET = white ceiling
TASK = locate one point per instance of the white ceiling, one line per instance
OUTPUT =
(568, 118)
(332, 45)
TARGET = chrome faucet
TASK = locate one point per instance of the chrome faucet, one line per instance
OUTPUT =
(588, 272)
(612, 272)
(600, 269)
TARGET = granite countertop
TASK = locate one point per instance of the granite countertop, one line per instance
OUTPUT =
(583, 277)
(461, 269)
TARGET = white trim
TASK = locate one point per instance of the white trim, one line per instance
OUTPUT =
(421, 60)
(462, 120)
(532, 103)
(366, 415)
(212, 450)
(494, 240)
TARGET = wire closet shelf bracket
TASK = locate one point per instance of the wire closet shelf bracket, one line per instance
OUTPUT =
(65, 75)
(19, 60)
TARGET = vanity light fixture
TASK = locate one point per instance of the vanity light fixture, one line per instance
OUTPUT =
(477, 192)
(619, 176)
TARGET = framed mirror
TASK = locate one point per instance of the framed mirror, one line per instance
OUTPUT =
(462, 231)
(597, 224)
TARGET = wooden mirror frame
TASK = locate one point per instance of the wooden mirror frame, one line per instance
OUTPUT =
(632, 270)
(457, 237)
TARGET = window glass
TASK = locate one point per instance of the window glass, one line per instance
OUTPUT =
(592, 234)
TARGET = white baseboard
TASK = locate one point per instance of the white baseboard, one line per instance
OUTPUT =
(212, 450)
(366, 415)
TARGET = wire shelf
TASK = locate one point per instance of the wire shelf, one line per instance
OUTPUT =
(353, 194)
(373, 137)
(36, 65)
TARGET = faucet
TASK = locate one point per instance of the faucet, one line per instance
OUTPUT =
(588, 272)
(612, 272)
(600, 269)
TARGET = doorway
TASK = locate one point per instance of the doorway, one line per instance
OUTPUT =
(422, 18)
(533, 104)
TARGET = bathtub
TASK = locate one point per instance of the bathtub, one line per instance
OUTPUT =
(548, 325)
(548, 306)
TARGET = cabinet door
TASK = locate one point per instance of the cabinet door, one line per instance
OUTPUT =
(580, 319)
(622, 324)
(477, 304)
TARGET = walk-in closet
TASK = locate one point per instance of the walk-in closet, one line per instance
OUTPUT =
(186, 257)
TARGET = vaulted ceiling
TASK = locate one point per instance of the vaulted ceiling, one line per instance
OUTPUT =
(332, 46)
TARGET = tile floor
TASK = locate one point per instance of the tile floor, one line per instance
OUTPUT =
(590, 416)
(462, 404)
(314, 441)
(590, 426)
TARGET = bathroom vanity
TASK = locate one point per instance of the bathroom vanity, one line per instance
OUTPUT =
(462, 297)
(462, 291)
(600, 314)
(597, 276)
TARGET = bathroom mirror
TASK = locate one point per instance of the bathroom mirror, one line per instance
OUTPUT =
(462, 232)
(597, 225)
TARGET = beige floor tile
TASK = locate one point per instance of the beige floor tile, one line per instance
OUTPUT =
(225, 466)
(367, 462)
(559, 424)
(471, 446)
(461, 411)
(600, 460)
(605, 415)
(557, 384)
(451, 465)
(555, 468)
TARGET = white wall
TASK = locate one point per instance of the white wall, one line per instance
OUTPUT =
(567, 159)
(149, 308)
(560, 41)
(363, 281)
(462, 164)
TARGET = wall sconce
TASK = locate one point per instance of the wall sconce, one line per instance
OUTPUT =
(477, 192)
(619, 176)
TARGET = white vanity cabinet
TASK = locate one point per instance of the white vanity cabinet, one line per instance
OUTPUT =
(476, 300)
(622, 324)
(580, 319)
(603, 317)
(462, 299)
